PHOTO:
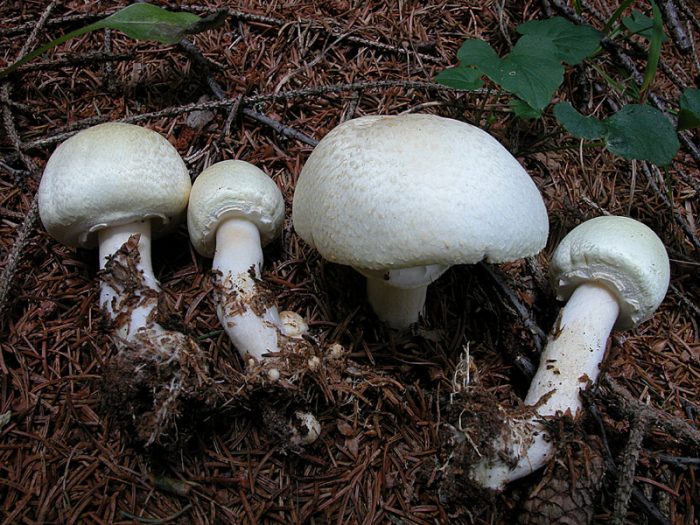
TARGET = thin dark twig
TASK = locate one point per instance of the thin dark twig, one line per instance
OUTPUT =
(76, 60)
(674, 210)
(678, 34)
(625, 477)
(538, 335)
(678, 461)
(221, 95)
(331, 31)
(686, 300)
(688, 12)
(649, 508)
(39, 25)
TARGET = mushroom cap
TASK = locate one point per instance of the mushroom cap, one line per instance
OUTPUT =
(109, 175)
(621, 254)
(233, 189)
(386, 192)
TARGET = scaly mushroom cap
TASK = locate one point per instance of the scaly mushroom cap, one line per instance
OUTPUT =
(621, 254)
(109, 175)
(233, 189)
(387, 192)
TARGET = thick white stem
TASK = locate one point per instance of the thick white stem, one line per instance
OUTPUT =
(112, 300)
(399, 308)
(570, 361)
(253, 325)
(398, 296)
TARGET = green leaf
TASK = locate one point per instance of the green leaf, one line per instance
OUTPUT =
(149, 22)
(579, 126)
(531, 71)
(460, 78)
(522, 110)
(640, 24)
(689, 115)
(573, 43)
(637, 131)
(138, 21)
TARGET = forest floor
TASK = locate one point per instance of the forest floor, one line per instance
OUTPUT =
(265, 87)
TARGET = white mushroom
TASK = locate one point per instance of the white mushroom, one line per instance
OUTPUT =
(614, 272)
(236, 209)
(105, 186)
(402, 198)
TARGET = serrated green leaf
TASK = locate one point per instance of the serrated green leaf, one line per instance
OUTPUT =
(460, 78)
(522, 110)
(639, 131)
(640, 24)
(149, 22)
(689, 114)
(531, 71)
(579, 126)
(573, 43)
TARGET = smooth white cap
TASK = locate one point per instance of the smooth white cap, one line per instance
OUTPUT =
(386, 192)
(109, 175)
(233, 189)
(621, 254)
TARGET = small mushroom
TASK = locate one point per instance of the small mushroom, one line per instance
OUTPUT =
(108, 185)
(613, 272)
(236, 209)
(402, 198)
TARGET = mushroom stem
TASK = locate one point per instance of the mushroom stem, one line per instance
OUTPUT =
(398, 296)
(399, 308)
(137, 299)
(250, 320)
(574, 350)
(570, 361)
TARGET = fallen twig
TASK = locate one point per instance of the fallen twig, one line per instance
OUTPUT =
(678, 34)
(625, 476)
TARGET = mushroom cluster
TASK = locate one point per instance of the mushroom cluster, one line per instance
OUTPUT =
(400, 199)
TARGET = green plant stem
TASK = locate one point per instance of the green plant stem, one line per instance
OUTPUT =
(654, 51)
(616, 15)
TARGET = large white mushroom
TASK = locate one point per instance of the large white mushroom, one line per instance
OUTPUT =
(613, 272)
(402, 198)
(108, 185)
